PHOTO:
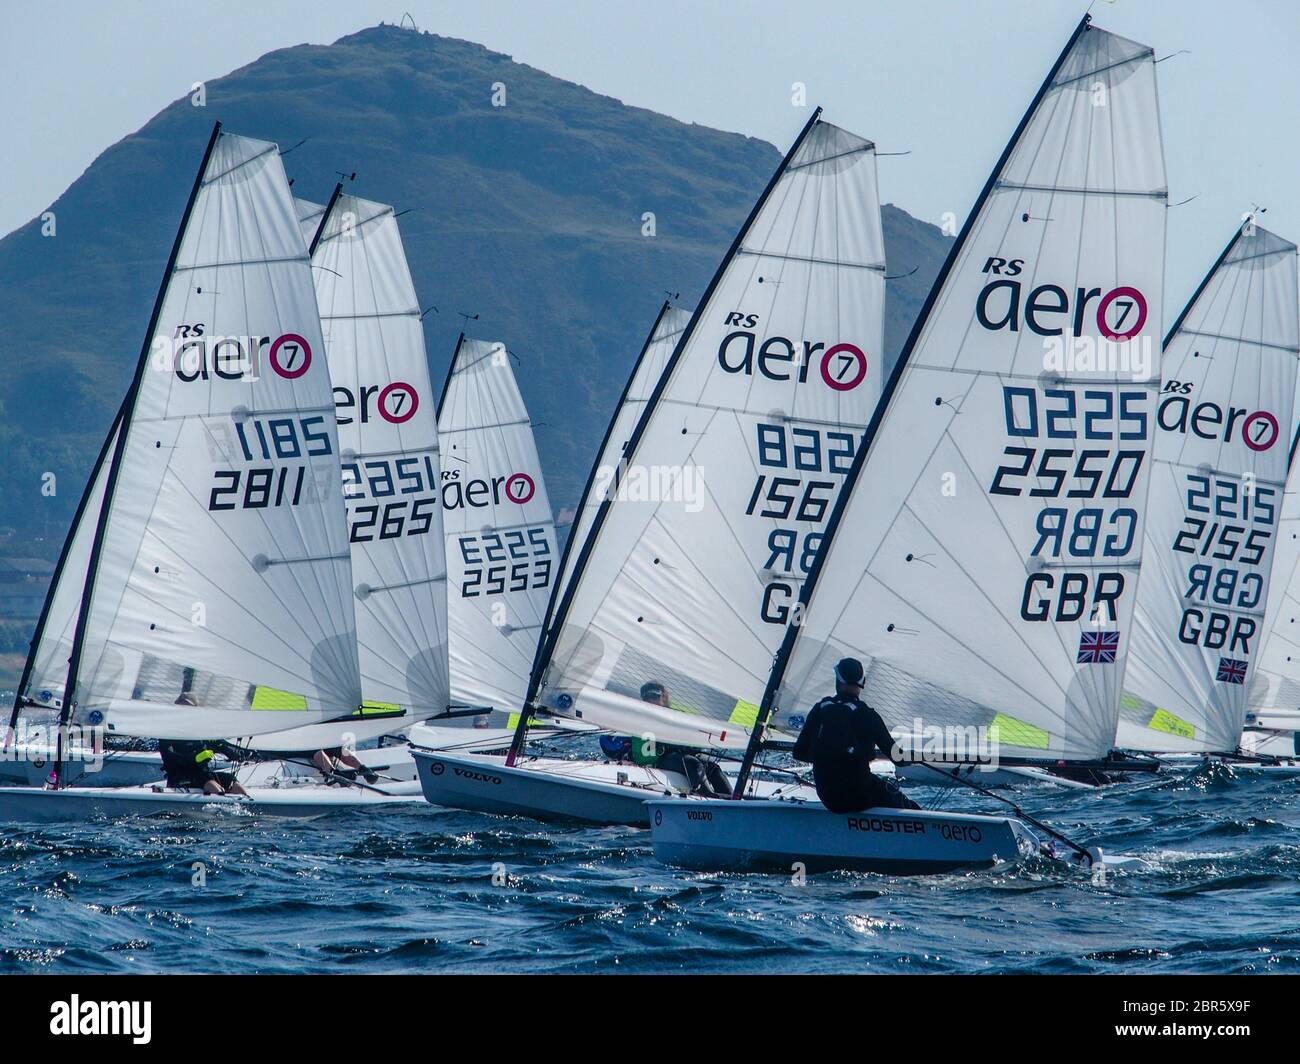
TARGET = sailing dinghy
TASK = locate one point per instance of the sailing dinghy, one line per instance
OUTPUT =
(1226, 419)
(708, 499)
(981, 559)
(210, 561)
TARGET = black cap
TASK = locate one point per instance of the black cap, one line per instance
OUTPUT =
(850, 671)
(652, 691)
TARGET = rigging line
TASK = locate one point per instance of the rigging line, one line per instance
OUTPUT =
(1109, 193)
(1034, 821)
(1290, 349)
(278, 260)
(874, 267)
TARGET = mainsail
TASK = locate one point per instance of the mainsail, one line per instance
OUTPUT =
(668, 327)
(982, 561)
(1225, 421)
(696, 555)
(388, 436)
(500, 532)
(219, 564)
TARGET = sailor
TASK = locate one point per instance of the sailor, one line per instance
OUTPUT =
(839, 740)
(703, 774)
(188, 762)
(329, 760)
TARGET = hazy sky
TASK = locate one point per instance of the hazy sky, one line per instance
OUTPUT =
(945, 80)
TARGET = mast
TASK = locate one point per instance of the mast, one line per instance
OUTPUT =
(324, 218)
(451, 370)
(110, 484)
(550, 635)
(1200, 288)
(782, 660)
(534, 679)
(42, 620)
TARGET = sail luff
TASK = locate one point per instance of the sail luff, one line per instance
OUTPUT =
(110, 484)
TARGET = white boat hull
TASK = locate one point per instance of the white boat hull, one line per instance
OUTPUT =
(785, 835)
(300, 801)
(595, 792)
(29, 765)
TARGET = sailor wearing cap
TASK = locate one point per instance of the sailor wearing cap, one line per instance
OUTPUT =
(839, 740)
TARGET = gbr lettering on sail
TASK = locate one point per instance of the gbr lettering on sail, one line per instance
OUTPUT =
(1075, 446)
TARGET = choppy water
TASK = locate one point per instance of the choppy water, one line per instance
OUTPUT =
(414, 890)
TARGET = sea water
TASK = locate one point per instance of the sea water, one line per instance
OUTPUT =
(420, 889)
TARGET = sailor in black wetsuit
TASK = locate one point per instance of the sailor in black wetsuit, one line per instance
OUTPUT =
(839, 740)
(187, 762)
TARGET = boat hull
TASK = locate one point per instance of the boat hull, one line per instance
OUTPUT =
(537, 789)
(789, 835)
(28, 765)
(297, 802)
(594, 792)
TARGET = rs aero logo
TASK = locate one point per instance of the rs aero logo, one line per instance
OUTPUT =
(233, 358)
(395, 403)
(1208, 420)
(476, 492)
(1048, 309)
(839, 365)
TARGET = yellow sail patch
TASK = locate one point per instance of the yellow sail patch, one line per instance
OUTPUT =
(745, 714)
(270, 698)
(1013, 732)
(1164, 721)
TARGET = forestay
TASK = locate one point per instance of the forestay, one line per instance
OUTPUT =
(388, 436)
(697, 554)
(224, 546)
(668, 328)
(500, 532)
(1225, 420)
(983, 566)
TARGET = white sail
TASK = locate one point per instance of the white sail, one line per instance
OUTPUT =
(52, 646)
(668, 327)
(689, 574)
(500, 531)
(984, 565)
(1225, 420)
(388, 436)
(224, 556)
